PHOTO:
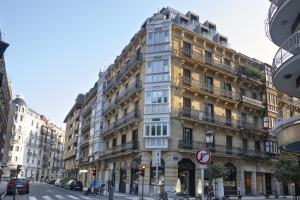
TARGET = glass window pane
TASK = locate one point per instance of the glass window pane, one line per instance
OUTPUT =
(159, 129)
(153, 127)
(147, 130)
(165, 128)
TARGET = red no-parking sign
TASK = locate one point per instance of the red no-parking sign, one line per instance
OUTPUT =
(203, 156)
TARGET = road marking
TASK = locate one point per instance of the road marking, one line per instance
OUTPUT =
(49, 191)
(72, 197)
(84, 197)
(47, 198)
(32, 198)
(60, 197)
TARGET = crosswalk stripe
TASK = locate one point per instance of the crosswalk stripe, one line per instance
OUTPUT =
(72, 197)
(60, 197)
(32, 198)
(84, 197)
(47, 198)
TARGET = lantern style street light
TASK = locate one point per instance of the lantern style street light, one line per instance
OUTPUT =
(209, 137)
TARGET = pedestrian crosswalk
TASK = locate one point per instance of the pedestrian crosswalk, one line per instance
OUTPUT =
(60, 197)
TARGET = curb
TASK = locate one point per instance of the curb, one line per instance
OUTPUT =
(2, 195)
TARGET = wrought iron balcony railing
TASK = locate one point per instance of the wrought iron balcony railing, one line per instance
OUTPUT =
(198, 57)
(199, 85)
(207, 117)
(287, 50)
(251, 101)
(138, 57)
(133, 87)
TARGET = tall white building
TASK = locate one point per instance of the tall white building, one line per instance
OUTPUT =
(27, 143)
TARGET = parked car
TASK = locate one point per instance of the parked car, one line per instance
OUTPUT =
(57, 182)
(51, 181)
(74, 185)
(63, 182)
(22, 186)
(68, 184)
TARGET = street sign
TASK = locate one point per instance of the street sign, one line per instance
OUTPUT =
(203, 156)
(203, 166)
(156, 158)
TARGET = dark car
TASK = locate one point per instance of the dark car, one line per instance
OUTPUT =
(22, 186)
(76, 185)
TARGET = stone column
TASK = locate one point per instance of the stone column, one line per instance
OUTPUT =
(264, 183)
(253, 183)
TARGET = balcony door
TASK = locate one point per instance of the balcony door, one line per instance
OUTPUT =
(209, 82)
(187, 137)
(187, 107)
(135, 139)
(209, 110)
(208, 57)
(245, 145)
(186, 77)
(229, 144)
(187, 49)
(228, 90)
(228, 117)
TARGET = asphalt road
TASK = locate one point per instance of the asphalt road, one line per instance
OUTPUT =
(43, 191)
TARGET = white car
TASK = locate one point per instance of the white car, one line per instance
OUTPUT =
(57, 182)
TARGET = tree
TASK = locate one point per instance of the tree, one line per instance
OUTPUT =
(287, 171)
(217, 171)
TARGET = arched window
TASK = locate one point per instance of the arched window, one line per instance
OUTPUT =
(230, 179)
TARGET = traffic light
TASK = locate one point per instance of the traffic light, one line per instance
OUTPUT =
(19, 168)
(142, 170)
(94, 172)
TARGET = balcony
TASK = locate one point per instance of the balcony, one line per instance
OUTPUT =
(285, 66)
(197, 58)
(129, 91)
(207, 89)
(251, 74)
(252, 102)
(255, 154)
(251, 126)
(86, 125)
(109, 107)
(122, 122)
(122, 148)
(110, 85)
(281, 20)
(207, 118)
(129, 66)
(84, 141)
(32, 145)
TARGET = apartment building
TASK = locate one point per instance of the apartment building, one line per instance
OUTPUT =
(71, 139)
(176, 80)
(86, 124)
(33, 142)
(5, 99)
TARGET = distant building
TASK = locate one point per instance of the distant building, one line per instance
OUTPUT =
(71, 139)
(5, 99)
(33, 142)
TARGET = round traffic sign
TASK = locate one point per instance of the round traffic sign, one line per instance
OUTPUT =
(203, 156)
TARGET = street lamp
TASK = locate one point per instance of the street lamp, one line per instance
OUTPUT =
(209, 137)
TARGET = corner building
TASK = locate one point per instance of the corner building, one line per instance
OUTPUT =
(174, 81)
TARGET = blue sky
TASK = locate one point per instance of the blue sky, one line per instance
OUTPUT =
(57, 47)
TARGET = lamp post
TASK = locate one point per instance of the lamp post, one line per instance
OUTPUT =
(209, 137)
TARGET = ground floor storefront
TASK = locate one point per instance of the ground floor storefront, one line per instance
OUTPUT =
(245, 176)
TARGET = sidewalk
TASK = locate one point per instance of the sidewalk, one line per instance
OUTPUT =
(135, 197)
(2, 188)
